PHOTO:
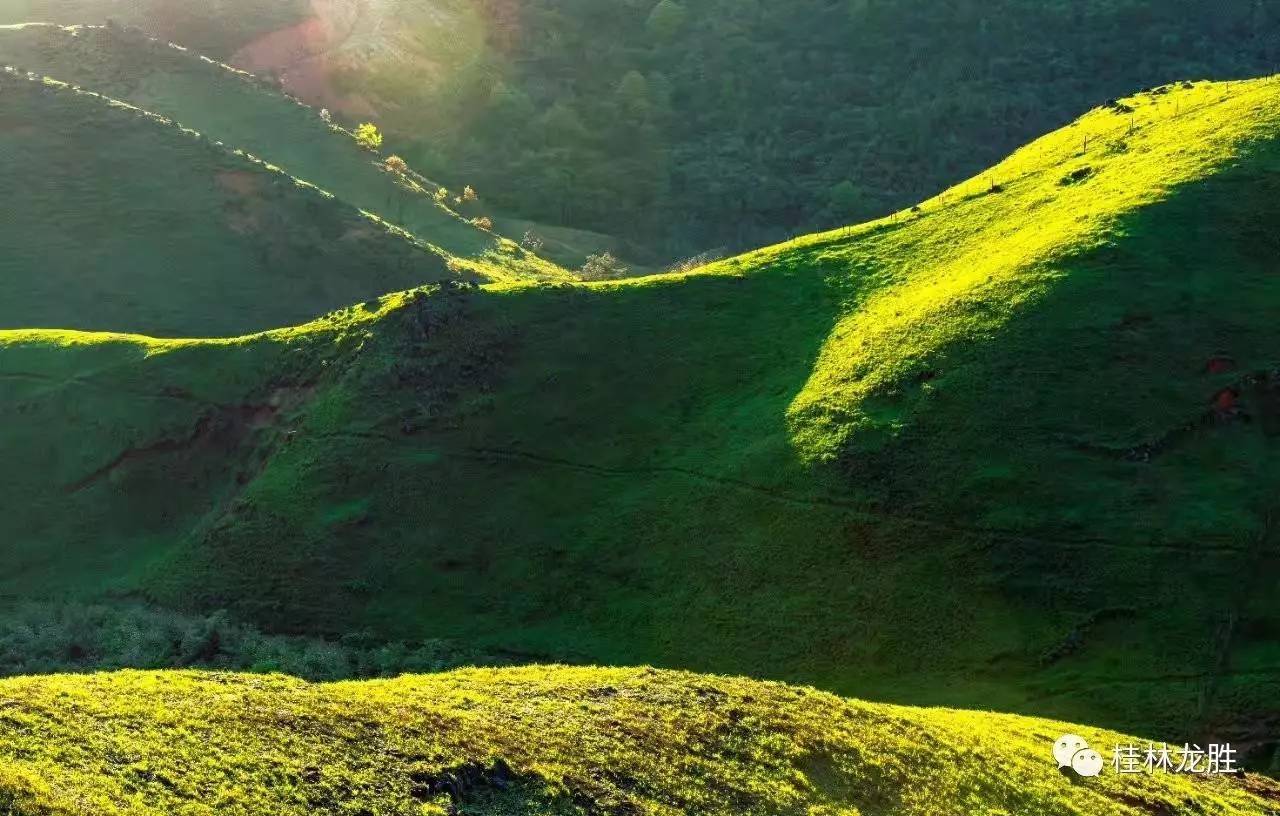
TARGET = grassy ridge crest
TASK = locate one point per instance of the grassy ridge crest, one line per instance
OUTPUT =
(544, 740)
(193, 224)
(247, 113)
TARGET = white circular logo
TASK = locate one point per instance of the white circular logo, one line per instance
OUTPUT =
(1066, 747)
(1073, 751)
(1087, 762)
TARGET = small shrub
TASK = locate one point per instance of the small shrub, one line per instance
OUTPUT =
(532, 241)
(699, 260)
(50, 638)
(396, 164)
(1076, 176)
(483, 222)
(368, 136)
(603, 267)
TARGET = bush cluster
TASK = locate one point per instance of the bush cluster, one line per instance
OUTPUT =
(45, 638)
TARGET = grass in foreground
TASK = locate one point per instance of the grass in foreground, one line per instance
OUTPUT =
(544, 741)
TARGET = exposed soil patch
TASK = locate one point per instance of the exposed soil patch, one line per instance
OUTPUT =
(219, 432)
(17, 126)
(459, 782)
(1255, 397)
(245, 215)
(240, 182)
(302, 56)
(1262, 787)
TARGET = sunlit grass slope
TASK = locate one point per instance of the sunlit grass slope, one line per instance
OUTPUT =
(544, 741)
(245, 113)
(115, 219)
(1013, 450)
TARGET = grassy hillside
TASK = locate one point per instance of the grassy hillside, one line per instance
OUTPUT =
(248, 114)
(218, 27)
(544, 741)
(1013, 449)
(688, 125)
(117, 219)
(361, 56)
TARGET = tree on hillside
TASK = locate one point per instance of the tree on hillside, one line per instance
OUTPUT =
(509, 107)
(603, 267)
(562, 124)
(844, 199)
(406, 188)
(666, 20)
(757, 110)
(633, 97)
(368, 136)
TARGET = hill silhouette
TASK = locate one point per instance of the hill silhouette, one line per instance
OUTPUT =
(1010, 449)
(546, 741)
(118, 219)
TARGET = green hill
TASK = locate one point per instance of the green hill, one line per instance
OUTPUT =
(218, 27)
(246, 113)
(688, 125)
(544, 741)
(118, 219)
(1011, 450)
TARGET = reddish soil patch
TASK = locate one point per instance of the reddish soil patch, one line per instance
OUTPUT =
(222, 432)
(1262, 787)
(359, 235)
(240, 182)
(245, 215)
(1220, 365)
(17, 126)
(301, 56)
(1225, 401)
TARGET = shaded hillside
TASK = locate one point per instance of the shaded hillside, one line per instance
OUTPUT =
(247, 113)
(117, 219)
(1013, 449)
(688, 125)
(217, 27)
(694, 124)
(544, 741)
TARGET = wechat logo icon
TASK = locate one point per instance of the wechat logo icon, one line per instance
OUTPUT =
(1072, 751)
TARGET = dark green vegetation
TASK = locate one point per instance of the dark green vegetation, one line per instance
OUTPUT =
(542, 741)
(690, 124)
(687, 125)
(171, 234)
(48, 638)
(1013, 450)
(241, 111)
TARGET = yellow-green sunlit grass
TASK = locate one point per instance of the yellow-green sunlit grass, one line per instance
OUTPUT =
(545, 741)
